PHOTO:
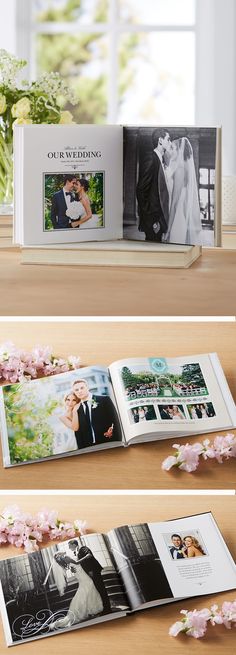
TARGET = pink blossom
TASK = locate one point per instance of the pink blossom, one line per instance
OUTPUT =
(31, 545)
(24, 530)
(17, 365)
(169, 462)
(176, 628)
(194, 623)
(187, 456)
(229, 613)
(216, 616)
(80, 526)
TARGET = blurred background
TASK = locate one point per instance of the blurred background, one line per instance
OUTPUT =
(148, 62)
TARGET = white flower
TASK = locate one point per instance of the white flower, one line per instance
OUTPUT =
(21, 109)
(53, 85)
(23, 121)
(80, 526)
(94, 404)
(9, 68)
(3, 103)
(66, 118)
(74, 361)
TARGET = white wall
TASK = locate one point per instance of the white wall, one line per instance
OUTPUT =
(8, 26)
(216, 73)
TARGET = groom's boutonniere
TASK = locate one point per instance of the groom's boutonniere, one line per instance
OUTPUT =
(94, 403)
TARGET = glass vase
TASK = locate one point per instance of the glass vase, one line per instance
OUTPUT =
(6, 177)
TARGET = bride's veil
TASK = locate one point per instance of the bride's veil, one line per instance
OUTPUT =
(59, 577)
(192, 208)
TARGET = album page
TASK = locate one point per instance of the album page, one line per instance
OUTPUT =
(66, 586)
(71, 183)
(65, 414)
(194, 556)
(162, 397)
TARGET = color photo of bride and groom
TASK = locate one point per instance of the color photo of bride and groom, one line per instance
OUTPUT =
(73, 201)
(60, 414)
(172, 174)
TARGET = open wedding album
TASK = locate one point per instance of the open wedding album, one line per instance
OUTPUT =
(132, 401)
(100, 577)
(84, 183)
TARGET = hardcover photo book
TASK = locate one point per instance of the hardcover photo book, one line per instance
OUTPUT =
(83, 183)
(132, 401)
(99, 577)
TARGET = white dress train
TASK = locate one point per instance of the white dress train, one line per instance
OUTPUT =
(85, 604)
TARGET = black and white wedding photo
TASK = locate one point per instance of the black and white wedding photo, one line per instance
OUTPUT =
(61, 586)
(169, 184)
(73, 200)
(139, 564)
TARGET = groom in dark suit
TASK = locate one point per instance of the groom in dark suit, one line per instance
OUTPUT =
(97, 418)
(177, 548)
(60, 203)
(152, 192)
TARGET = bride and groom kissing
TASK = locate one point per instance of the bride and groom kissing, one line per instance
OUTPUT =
(91, 597)
(92, 418)
(71, 205)
(167, 192)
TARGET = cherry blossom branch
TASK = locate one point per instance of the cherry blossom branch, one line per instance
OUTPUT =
(195, 623)
(17, 365)
(187, 457)
(24, 530)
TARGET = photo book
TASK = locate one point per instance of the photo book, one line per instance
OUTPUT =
(99, 577)
(84, 183)
(130, 402)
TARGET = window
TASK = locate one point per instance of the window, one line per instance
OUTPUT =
(115, 51)
(142, 539)
(206, 196)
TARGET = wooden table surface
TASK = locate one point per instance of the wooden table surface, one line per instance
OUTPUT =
(208, 288)
(139, 466)
(143, 633)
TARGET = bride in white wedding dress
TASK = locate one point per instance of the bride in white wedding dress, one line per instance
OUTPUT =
(184, 219)
(86, 602)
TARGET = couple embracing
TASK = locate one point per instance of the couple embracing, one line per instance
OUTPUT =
(91, 597)
(92, 418)
(167, 192)
(71, 205)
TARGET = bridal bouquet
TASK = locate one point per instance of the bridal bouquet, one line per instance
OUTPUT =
(22, 103)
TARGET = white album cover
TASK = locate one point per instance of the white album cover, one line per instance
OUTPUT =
(68, 183)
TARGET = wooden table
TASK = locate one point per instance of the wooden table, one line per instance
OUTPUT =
(139, 466)
(207, 288)
(144, 633)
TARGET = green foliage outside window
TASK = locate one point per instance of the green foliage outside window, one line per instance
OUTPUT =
(81, 59)
(29, 434)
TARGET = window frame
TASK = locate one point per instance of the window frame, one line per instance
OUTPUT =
(27, 28)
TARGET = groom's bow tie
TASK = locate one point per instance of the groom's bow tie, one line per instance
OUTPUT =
(68, 193)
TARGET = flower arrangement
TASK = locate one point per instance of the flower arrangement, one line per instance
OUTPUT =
(187, 457)
(39, 102)
(195, 623)
(26, 531)
(17, 365)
